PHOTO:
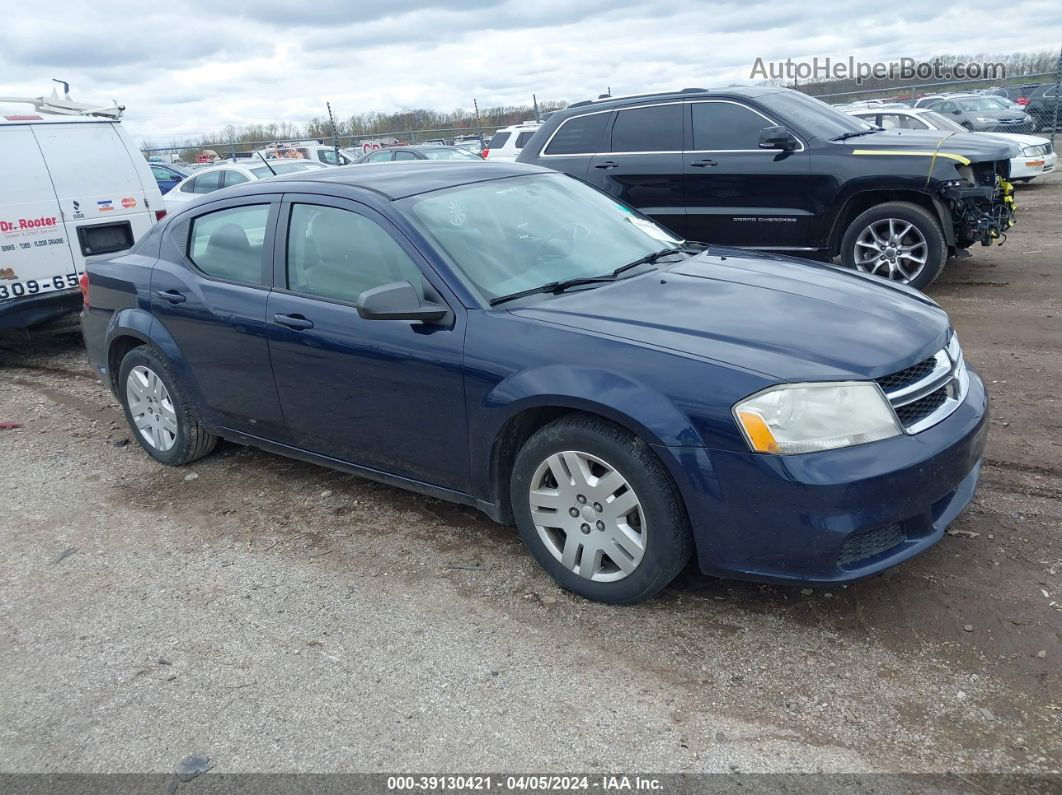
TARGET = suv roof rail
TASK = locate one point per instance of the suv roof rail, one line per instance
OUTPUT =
(607, 97)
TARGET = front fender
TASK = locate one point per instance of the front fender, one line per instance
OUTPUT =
(650, 415)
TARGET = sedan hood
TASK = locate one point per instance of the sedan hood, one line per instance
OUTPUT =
(973, 146)
(788, 319)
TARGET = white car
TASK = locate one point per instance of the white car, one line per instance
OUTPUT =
(508, 141)
(229, 173)
(1036, 155)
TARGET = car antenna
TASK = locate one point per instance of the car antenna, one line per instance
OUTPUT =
(266, 162)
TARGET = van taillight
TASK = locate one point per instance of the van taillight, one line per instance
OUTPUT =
(159, 215)
(484, 153)
(82, 284)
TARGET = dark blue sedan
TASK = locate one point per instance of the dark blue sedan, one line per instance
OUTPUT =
(167, 177)
(507, 337)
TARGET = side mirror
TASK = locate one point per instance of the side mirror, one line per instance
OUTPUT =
(777, 138)
(397, 301)
(957, 112)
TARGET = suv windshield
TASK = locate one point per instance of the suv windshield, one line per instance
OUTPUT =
(515, 234)
(815, 116)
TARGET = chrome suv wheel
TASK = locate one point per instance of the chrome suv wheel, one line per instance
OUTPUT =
(892, 248)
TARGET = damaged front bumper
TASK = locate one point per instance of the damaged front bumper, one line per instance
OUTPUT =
(981, 213)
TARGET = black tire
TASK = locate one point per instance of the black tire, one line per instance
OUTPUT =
(668, 542)
(192, 441)
(924, 221)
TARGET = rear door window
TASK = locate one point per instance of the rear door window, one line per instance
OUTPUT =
(405, 156)
(227, 244)
(579, 135)
(720, 126)
(523, 138)
(653, 129)
(498, 141)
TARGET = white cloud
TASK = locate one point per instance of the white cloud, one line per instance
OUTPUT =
(194, 67)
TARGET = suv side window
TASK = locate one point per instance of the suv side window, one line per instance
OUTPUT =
(718, 126)
(653, 129)
(498, 141)
(207, 183)
(379, 157)
(523, 138)
(405, 156)
(339, 254)
(227, 244)
(579, 135)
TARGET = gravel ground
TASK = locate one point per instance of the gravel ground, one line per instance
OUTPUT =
(277, 616)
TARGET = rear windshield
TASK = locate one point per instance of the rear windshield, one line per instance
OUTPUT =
(282, 168)
(498, 141)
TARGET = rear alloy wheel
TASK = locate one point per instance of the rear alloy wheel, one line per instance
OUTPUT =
(899, 241)
(599, 511)
(159, 414)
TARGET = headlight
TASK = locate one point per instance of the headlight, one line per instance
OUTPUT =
(1030, 151)
(985, 121)
(804, 418)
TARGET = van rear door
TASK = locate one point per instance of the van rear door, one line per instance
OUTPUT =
(99, 187)
(35, 257)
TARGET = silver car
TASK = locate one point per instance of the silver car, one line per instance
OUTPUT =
(979, 113)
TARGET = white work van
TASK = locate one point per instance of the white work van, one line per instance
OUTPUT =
(70, 188)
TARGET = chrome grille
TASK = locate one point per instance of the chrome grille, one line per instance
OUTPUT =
(927, 392)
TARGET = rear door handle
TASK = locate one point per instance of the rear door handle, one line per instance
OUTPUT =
(704, 163)
(293, 321)
(608, 164)
(172, 296)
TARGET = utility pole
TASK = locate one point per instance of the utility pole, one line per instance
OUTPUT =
(479, 127)
(335, 132)
(534, 100)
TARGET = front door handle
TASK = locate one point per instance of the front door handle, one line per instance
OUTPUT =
(704, 163)
(172, 296)
(297, 322)
(608, 164)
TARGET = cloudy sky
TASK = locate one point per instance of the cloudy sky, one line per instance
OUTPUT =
(188, 67)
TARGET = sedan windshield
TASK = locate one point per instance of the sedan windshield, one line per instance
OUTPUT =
(982, 104)
(283, 168)
(941, 122)
(449, 153)
(509, 235)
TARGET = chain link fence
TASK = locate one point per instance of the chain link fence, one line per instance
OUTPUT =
(1024, 104)
(349, 145)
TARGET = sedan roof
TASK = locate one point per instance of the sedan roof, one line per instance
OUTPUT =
(398, 180)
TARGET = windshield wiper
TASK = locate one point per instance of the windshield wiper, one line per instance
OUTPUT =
(558, 287)
(854, 133)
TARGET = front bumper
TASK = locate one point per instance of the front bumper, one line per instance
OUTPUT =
(836, 516)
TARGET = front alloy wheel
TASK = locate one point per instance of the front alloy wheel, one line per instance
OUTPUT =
(892, 248)
(598, 510)
(588, 516)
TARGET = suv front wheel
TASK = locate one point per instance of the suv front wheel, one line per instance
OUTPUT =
(900, 241)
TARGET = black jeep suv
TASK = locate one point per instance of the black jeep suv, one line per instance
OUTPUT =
(774, 169)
